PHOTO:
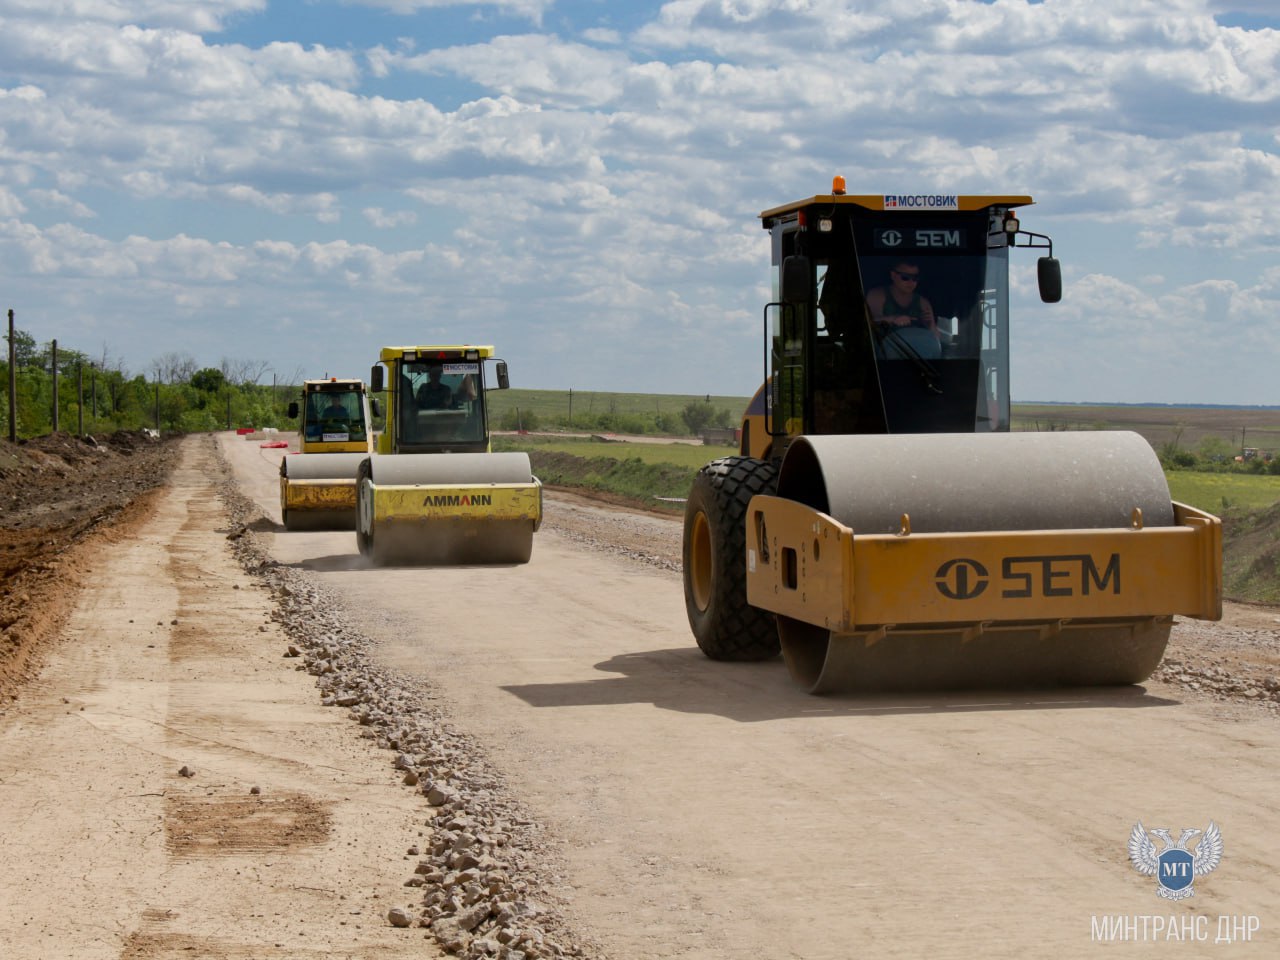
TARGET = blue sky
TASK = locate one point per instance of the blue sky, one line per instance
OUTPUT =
(296, 184)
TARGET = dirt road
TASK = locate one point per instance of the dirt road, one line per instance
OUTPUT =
(702, 810)
(544, 765)
(288, 833)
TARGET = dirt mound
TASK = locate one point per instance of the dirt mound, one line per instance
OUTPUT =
(54, 492)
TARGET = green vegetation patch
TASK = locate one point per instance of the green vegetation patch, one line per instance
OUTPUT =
(1218, 493)
(636, 473)
(690, 455)
(633, 413)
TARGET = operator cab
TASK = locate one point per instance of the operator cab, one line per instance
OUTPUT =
(891, 313)
(334, 415)
(440, 406)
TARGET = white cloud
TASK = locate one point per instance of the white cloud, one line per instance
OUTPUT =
(56, 199)
(197, 15)
(10, 205)
(384, 220)
(531, 9)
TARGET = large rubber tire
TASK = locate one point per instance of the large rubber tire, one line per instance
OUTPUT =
(715, 568)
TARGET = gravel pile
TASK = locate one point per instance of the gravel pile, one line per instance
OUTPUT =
(1224, 663)
(485, 877)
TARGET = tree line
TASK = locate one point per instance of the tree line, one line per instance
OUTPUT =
(99, 394)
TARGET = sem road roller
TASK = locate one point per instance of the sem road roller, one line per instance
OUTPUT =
(433, 492)
(318, 484)
(882, 527)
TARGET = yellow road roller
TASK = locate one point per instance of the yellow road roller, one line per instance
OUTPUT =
(434, 492)
(881, 526)
(318, 484)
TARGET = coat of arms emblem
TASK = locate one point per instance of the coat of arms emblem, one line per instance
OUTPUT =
(1175, 867)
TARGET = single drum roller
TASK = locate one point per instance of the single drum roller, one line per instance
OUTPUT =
(914, 541)
(460, 508)
(946, 560)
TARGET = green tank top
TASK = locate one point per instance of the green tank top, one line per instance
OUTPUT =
(914, 309)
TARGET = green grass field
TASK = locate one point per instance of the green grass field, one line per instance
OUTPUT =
(1218, 492)
(688, 455)
(557, 404)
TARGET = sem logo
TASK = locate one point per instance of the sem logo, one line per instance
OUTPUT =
(891, 238)
(939, 238)
(458, 500)
(1063, 575)
(1175, 867)
(1060, 576)
(961, 579)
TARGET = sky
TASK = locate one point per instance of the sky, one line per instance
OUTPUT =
(297, 183)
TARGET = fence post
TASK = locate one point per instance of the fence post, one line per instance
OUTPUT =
(13, 383)
(54, 354)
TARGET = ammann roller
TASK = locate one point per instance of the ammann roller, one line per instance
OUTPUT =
(881, 527)
(318, 484)
(433, 493)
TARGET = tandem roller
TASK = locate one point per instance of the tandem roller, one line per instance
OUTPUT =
(948, 561)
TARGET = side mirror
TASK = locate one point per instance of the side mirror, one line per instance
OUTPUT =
(1049, 278)
(375, 379)
(293, 410)
(504, 380)
(375, 406)
(797, 285)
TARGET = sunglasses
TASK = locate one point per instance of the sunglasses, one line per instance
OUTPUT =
(911, 277)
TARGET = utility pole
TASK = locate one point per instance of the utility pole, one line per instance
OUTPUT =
(79, 399)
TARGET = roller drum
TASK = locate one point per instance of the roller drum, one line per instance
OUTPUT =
(405, 469)
(442, 541)
(309, 503)
(957, 483)
(322, 466)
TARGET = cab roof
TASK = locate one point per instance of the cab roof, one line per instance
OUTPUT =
(900, 203)
(437, 352)
(334, 383)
